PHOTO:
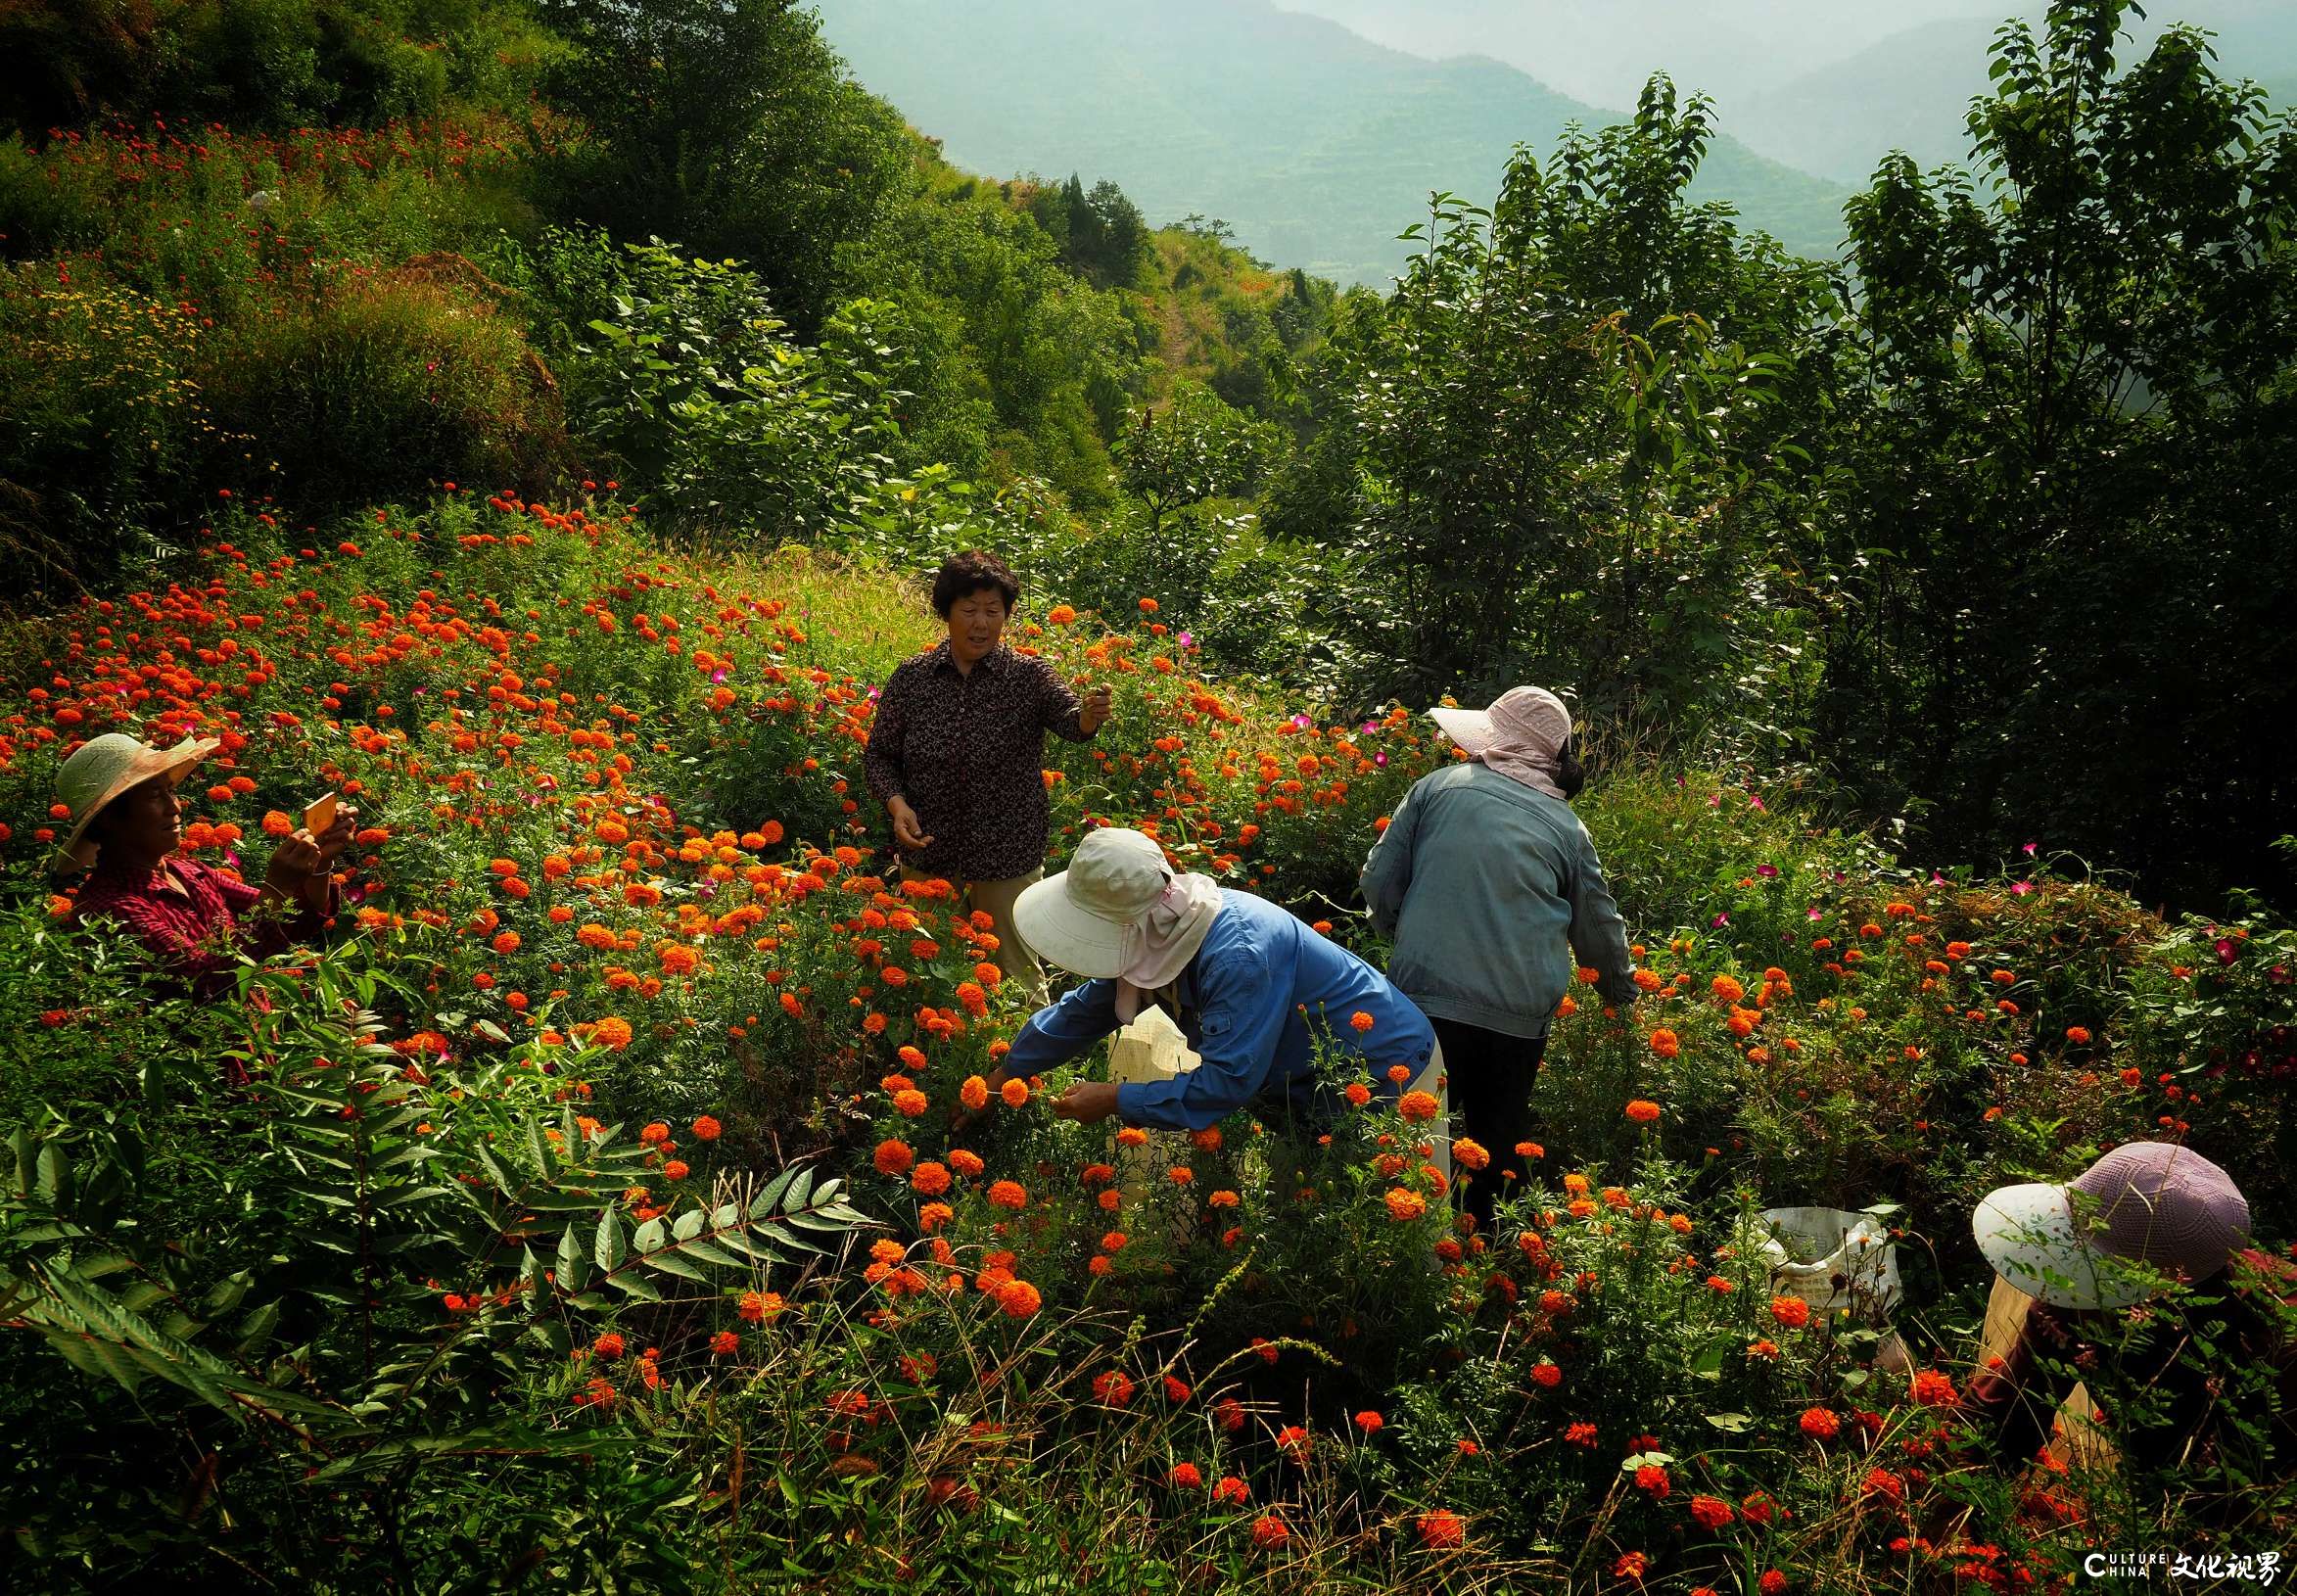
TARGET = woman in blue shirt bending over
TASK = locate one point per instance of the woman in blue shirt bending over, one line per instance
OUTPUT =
(1252, 985)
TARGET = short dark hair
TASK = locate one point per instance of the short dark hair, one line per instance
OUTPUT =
(1570, 773)
(968, 572)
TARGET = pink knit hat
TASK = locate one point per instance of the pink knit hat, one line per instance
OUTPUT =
(2153, 1203)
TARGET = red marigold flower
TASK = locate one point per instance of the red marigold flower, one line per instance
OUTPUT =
(755, 1308)
(1112, 1387)
(726, 1343)
(675, 1170)
(1547, 1374)
(1790, 1311)
(1442, 1531)
(1819, 1423)
(1773, 1582)
(1630, 1566)
(1883, 1483)
(608, 1346)
(1653, 1479)
(1176, 1390)
(707, 1129)
(1757, 1507)
(1582, 1434)
(1293, 1440)
(1711, 1512)
(1230, 1491)
(1185, 1477)
(1358, 1093)
(1370, 1422)
(1269, 1533)
(1933, 1390)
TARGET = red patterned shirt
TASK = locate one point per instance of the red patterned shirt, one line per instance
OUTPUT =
(968, 750)
(200, 932)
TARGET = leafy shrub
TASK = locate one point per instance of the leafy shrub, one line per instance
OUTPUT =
(397, 378)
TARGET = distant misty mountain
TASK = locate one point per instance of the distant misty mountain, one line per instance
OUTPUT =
(1826, 87)
(1602, 51)
(1315, 145)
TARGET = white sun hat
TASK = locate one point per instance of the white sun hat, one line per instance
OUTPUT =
(1118, 909)
(104, 769)
(2150, 1204)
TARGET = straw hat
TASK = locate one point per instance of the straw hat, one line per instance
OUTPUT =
(2149, 1203)
(1117, 910)
(104, 769)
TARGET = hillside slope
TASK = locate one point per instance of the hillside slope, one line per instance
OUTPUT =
(1316, 146)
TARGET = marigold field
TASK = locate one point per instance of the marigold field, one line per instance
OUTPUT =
(618, 1200)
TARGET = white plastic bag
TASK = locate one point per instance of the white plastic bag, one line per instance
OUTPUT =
(1858, 1263)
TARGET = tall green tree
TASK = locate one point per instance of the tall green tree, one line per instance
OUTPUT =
(2058, 499)
(730, 128)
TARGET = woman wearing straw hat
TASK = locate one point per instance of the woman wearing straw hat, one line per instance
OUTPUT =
(1254, 987)
(2080, 1273)
(126, 830)
(1488, 883)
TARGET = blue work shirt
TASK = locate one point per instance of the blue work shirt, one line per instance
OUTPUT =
(1242, 999)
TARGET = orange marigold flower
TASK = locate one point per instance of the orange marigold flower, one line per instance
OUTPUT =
(1469, 1154)
(707, 1129)
(1933, 1390)
(1008, 1195)
(1790, 1311)
(724, 1345)
(675, 1170)
(2078, 1035)
(1361, 1022)
(929, 1179)
(965, 1162)
(1222, 1200)
(1712, 1511)
(1132, 1136)
(1014, 1091)
(1442, 1531)
(1405, 1206)
(1418, 1107)
(608, 1346)
(909, 1104)
(1630, 1566)
(1665, 1044)
(1819, 1423)
(1358, 1093)
(1642, 1111)
(1018, 1299)
(894, 1158)
(974, 1094)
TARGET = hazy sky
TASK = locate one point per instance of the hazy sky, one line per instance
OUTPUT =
(1603, 50)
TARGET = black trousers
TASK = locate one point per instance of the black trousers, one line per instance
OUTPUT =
(1491, 1075)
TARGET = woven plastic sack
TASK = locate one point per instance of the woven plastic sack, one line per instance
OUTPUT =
(1856, 1267)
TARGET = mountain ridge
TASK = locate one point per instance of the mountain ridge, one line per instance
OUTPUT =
(1316, 145)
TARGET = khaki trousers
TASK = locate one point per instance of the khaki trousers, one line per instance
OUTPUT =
(995, 899)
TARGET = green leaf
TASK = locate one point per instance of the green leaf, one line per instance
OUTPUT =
(609, 1250)
(650, 1237)
(635, 1284)
(1733, 1424)
(573, 1264)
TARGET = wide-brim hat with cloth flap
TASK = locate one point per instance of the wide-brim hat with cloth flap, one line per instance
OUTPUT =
(2147, 1202)
(1521, 735)
(106, 768)
(1119, 911)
